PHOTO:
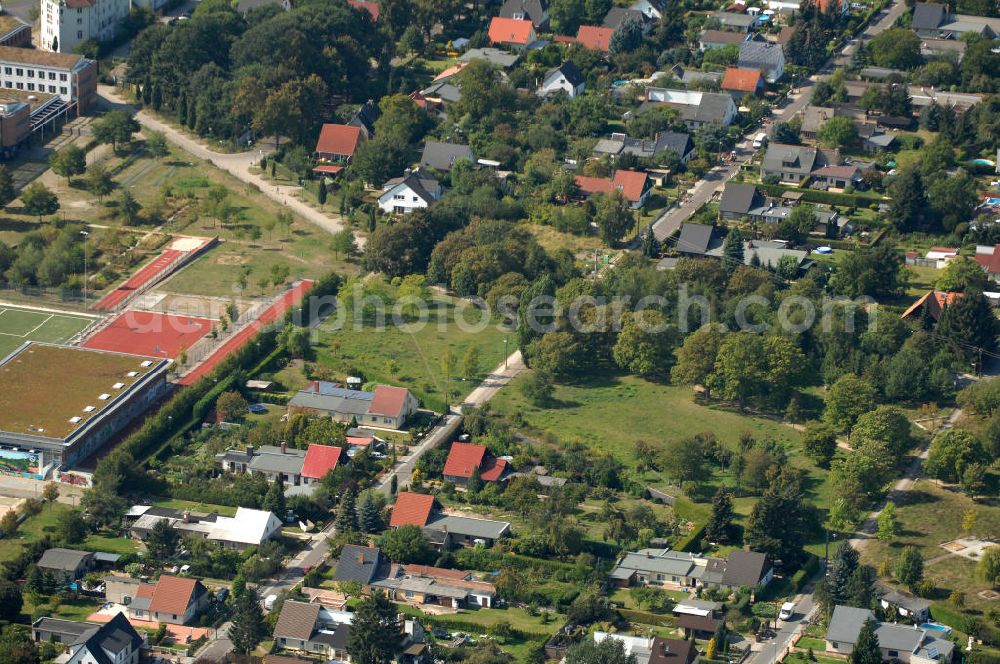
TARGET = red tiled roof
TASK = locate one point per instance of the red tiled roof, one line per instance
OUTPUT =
(936, 301)
(492, 469)
(510, 31)
(172, 595)
(826, 6)
(450, 71)
(328, 168)
(360, 441)
(338, 139)
(944, 250)
(990, 262)
(320, 459)
(564, 39)
(595, 37)
(462, 458)
(367, 5)
(632, 184)
(589, 186)
(145, 590)
(411, 509)
(741, 80)
(388, 401)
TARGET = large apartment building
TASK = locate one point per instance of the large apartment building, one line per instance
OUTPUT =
(70, 77)
(67, 23)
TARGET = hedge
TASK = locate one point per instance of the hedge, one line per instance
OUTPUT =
(807, 571)
(647, 617)
(692, 539)
(825, 197)
(969, 624)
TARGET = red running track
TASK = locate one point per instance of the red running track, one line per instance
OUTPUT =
(147, 273)
(240, 339)
(150, 333)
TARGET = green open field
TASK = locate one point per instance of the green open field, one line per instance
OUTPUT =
(930, 515)
(412, 359)
(610, 412)
(18, 325)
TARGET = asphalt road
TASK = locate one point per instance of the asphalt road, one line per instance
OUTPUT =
(766, 652)
(671, 219)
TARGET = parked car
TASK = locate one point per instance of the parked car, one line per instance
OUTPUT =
(787, 611)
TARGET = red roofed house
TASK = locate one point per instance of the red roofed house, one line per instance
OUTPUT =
(320, 459)
(464, 458)
(367, 5)
(511, 32)
(172, 599)
(742, 82)
(932, 303)
(391, 407)
(589, 186)
(634, 186)
(338, 143)
(989, 258)
(411, 509)
(594, 37)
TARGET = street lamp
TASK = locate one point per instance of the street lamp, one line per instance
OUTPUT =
(85, 235)
(505, 339)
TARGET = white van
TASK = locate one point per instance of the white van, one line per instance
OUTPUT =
(787, 611)
(759, 141)
(269, 602)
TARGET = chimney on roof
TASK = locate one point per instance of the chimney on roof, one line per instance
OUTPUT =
(746, 548)
(283, 447)
(361, 558)
(186, 516)
(249, 450)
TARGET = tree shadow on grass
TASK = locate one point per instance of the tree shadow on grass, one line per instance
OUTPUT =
(916, 497)
(16, 225)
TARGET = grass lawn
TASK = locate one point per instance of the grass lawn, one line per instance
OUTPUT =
(486, 618)
(177, 504)
(412, 359)
(929, 516)
(68, 609)
(44, 523)
(609, 413)
(31, 529)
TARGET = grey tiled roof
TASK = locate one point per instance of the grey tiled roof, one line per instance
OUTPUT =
(363, 564)
(927, 16)
(694, 238)
(846, 622)
(468, 526)
(66, 560)
(442, 156)
(738, 198)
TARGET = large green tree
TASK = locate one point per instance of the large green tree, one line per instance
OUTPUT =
(777, 524)
(68, 162)
(645, 343)
(375, 633)
(248, 627)
(406, 544)
(969, 326)
(608, 651)
(867, 650)
(847, 400)
(115, 128)
(696, 356)
(951, 452)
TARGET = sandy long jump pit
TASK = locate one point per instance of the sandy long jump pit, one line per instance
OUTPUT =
(150, 333)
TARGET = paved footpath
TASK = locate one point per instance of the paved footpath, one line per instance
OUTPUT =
(236, 164)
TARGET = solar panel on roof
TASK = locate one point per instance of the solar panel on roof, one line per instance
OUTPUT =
(933, 652)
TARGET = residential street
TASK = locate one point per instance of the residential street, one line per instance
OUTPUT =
(767, 651)
(671, 219)
(236, 164)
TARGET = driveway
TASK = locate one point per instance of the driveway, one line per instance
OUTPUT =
(236, 164)
(766, 652)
